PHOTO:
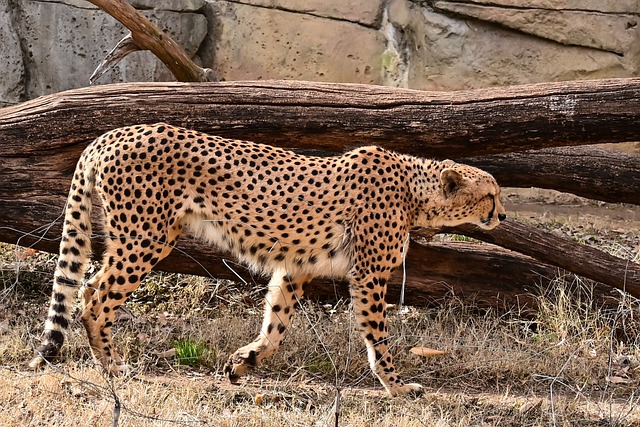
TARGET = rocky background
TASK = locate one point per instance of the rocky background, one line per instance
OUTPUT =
(50, 45)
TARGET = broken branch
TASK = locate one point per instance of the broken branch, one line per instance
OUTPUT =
(145, 35)
(122, 49)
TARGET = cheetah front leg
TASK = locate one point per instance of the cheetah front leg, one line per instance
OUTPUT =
(370, 310)
(284, 291)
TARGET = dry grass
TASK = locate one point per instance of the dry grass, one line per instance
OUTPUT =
(574, 364)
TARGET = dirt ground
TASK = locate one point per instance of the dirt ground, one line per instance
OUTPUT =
(548, 205)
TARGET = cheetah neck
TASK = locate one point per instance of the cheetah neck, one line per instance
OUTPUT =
(425, 190)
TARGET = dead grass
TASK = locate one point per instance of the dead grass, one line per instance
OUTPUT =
(573, 364)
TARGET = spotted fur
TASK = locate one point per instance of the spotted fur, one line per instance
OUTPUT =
(284, 214)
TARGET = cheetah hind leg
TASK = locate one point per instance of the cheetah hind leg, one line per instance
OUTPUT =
(106, 292)
(97, 317)
(125, 264)
(283, 293)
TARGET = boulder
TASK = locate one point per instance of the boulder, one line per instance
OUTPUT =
(448, 51)
(365, 12)
(600, 6)
(49, 46)
(609, 32)
(169, 5)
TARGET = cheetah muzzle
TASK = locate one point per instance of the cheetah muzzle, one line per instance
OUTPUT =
(287, 215)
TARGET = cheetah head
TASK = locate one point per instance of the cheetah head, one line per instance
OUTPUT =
(467, 195)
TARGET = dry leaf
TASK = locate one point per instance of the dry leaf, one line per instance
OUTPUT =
(426, 352)
(27, 254)
(259, 398)
(162, 319)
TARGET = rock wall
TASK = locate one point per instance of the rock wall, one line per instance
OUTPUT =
(52, 45)
(49, 46)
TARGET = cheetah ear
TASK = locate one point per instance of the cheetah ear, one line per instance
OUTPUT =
(451, 181)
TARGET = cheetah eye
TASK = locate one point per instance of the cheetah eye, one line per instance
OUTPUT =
(493, 205)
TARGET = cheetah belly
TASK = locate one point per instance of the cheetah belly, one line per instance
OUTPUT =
(208, 230)
(316, 262)
(336, 267)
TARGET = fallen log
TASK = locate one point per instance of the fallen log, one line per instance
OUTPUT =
(590, 172)
(332, 117)
(41, 139)
(580, 259)
(44, 170)
(487, 273)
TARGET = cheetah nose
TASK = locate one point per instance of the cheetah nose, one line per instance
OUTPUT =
(502, 216)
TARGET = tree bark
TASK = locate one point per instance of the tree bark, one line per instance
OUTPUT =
(580, 259)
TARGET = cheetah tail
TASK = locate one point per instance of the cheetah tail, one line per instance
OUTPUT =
(75, 253)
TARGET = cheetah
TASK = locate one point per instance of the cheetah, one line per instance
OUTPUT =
(290, 216)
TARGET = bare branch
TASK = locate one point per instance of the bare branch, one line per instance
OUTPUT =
(147, 36)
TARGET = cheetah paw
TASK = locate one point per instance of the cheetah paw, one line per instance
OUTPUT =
(412, 390)
(37, 363)
(240, 362)
(120, 369)
(234, 371)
